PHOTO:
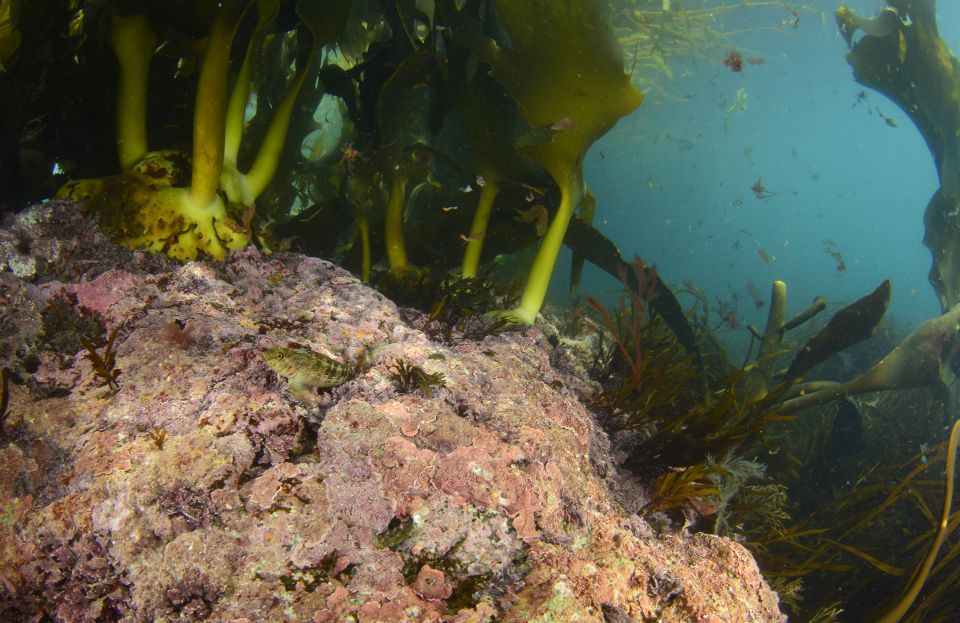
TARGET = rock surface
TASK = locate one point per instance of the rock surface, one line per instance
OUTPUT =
(202, 490)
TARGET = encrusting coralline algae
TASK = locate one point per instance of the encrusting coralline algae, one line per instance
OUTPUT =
(483, 502)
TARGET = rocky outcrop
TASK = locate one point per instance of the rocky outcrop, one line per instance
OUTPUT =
(202, 490)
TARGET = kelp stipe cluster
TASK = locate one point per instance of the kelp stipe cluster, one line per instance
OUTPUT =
(164, 201)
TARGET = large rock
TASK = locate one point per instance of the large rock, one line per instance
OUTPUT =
(487, 501)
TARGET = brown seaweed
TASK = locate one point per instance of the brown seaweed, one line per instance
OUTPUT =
(852, 324)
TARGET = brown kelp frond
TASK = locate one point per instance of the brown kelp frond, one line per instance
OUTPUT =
(104, 366)
(852, 324)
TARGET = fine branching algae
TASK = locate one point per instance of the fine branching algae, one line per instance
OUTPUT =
(158, 436)
(409, 378)
(104, 366)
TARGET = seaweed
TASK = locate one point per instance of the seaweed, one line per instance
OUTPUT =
(104, 366)
(66, 323)
(455, 308)
(652, 386)
(409, 378)
(158, 436)
(685, 486)
(852, 324)
(854, 535)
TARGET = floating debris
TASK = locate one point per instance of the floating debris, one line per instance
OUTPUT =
(734, 60)
(758, 301)
(886, 119)
(760, 192)
(473, 238)
(830, 248)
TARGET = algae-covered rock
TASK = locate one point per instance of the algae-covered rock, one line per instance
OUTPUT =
(482, 502)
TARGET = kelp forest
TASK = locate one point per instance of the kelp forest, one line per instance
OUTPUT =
(435, 148)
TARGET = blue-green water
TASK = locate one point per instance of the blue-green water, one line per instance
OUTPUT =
(673, 181)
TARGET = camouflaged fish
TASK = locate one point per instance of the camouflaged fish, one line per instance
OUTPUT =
(305, 369)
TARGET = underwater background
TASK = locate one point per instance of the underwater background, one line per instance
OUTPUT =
(673, 180)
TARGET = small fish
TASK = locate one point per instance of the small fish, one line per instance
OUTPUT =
(475, 238)
(305, 369)
(450, 208)
(467, 189)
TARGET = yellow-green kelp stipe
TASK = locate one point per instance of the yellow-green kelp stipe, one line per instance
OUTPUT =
(305, 369)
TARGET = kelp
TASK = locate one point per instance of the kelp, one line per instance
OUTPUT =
(916, 362)
(9, 34)
(903, 56)
(403, 116)
(905, 601)
(566, 72)
(659, 391)
(325, 22)
(851, 325)
(158, 206)
(587, 242)
(493, 124)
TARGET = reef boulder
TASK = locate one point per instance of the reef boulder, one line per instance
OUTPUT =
(202, 490)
